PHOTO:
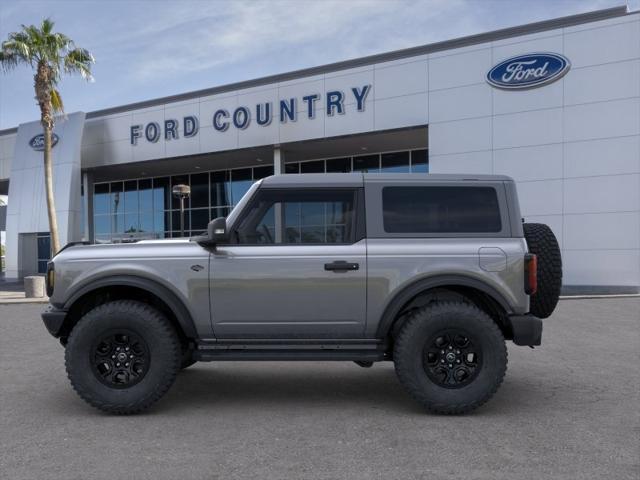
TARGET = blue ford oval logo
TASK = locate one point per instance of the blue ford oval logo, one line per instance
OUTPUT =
(37, 142)
(528, 71)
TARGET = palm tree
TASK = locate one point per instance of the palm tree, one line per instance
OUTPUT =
(50, 55)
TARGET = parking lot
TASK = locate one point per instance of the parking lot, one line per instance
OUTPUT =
(568, 409)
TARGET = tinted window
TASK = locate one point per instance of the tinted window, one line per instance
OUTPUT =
(340, 165)
(287, 217)
(397, 162)
(367, 163)
(440, 210)
(420, 161)
(312, 167)
(241, 180)
(200, 190)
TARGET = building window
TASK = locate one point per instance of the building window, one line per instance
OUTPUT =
(366, 163)
(406, 161)
(339, 165)
(420, 161)
(131, 210)
(396, 162)
(44, 250)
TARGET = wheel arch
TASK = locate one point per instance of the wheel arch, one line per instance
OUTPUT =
(486, 297)
(135, 288)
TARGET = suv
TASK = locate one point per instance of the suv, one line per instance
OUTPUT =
(432, 272)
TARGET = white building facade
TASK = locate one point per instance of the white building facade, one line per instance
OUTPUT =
(555, 105)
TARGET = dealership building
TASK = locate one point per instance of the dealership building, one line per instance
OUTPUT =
(553, 104)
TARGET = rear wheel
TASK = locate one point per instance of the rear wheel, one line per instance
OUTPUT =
(122, 356)
(451, 357)
(542, 242)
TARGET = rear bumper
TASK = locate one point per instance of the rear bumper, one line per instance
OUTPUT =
(54, 320)
(527, 329)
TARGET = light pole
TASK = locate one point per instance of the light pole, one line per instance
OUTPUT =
(182, 192)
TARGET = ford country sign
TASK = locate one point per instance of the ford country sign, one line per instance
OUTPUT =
(37, 142)
(528, 71)
(285, 110)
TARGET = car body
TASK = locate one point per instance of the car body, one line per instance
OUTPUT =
(337, 263)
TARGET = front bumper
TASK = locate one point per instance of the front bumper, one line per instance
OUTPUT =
(54, 320)
(527, 329)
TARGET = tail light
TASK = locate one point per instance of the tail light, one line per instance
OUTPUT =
(530, 274)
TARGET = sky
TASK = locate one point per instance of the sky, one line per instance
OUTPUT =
(147, 49)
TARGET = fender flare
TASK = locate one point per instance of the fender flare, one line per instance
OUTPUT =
(401, 298)
(174, 303)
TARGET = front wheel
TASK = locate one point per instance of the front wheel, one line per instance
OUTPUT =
(122, 356)
(451, 357)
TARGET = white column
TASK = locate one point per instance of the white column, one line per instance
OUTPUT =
(87, 201)
(278, 169)
(278, 160)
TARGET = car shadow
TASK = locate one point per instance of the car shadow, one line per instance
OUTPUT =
(285, 386)
(310, 386)
(277, 383)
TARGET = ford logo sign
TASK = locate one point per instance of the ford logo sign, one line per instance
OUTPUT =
(528, 71)
(37, 142)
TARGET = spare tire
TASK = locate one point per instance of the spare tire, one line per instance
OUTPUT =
(542, 242)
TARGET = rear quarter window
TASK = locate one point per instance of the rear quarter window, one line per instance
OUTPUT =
(441, 209)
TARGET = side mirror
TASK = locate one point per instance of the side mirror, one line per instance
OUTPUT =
(217, 230)
(216, 233)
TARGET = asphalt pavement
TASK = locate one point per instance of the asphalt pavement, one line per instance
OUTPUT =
(567, 410)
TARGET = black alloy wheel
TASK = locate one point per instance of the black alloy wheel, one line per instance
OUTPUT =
(451, 358)
(120, 359)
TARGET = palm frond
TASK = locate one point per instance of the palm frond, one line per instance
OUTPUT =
(79, 60)
(8, 60)
(56, 101)
(47, 26)
(19, 46)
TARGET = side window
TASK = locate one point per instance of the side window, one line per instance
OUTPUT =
(440, 209)
(313, 216)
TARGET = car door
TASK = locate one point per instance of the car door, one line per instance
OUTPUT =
(296, 267)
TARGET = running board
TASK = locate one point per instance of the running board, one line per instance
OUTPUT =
(345, 350)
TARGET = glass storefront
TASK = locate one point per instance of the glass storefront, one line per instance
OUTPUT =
(44, 250)
(130, 210)
(413, 161)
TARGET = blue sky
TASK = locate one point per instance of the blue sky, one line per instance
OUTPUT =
(146, 49)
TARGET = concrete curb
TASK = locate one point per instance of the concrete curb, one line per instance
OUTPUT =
(584, 297)
(18, 300)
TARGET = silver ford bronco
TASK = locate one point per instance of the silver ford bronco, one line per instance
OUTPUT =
(432, 272)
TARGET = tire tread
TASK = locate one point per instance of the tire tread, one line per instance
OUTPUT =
(408, 380)
(542, 242)
(164, 328)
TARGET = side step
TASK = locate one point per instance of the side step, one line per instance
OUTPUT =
(321, 349)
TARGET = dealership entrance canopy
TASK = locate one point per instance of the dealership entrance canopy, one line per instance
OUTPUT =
(554, 104)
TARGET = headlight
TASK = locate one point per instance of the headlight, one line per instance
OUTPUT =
(50, 278)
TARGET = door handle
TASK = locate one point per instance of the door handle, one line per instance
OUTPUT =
(341, 266)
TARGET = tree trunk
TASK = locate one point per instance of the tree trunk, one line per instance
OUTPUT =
(42, 85)
(48, 182)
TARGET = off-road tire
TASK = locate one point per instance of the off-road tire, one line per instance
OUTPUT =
(543, 243)
(408, 356)
(148, 324)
